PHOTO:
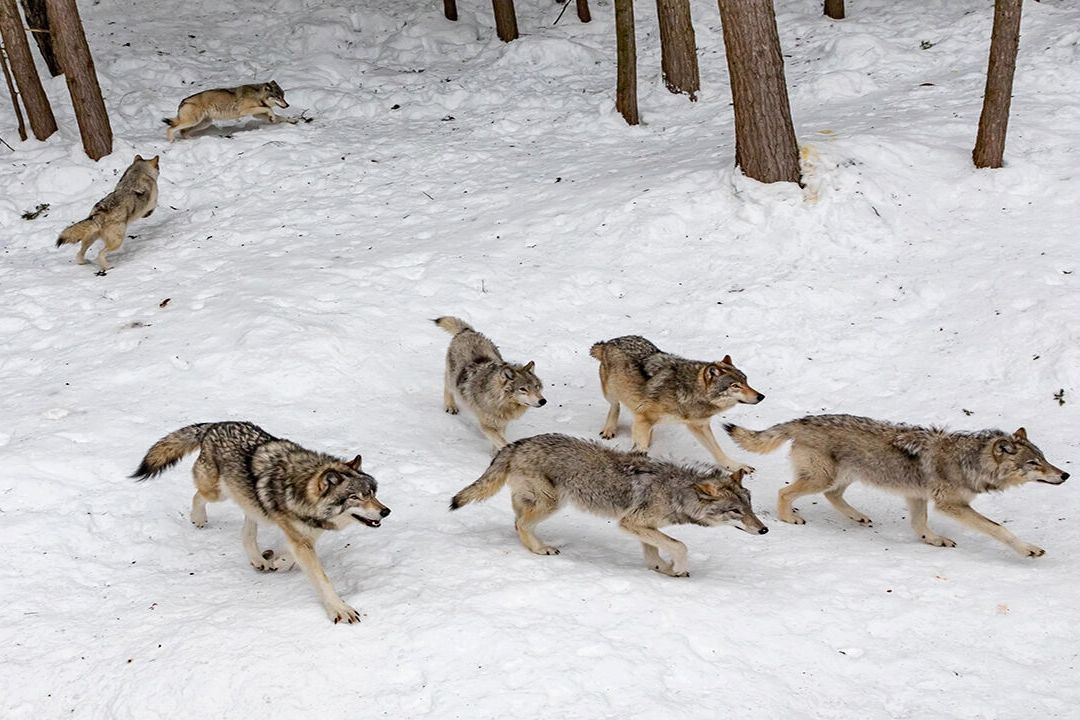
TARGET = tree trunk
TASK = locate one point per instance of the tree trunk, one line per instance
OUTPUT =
(989, 149)
(834, 9)
(505, 19)
(765, 146)
(42, 122)
(14, 95)
(626, 51)
(583, 11)
(37, 19)
(450, 9)
(678, 49)
(73, 53)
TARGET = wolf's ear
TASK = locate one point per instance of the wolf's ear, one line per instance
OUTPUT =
(508, 373)
(1004, 447)
(154, 161)
(708, 488)
(354, 463)
(738, 475)
(328, 480)
(529, 366)
(138, 158)
(1020, 434)
(711, 372)
(727, 360)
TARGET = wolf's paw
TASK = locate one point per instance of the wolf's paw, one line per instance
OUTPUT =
(81, 260)
(101, 273)
(937, 540)
(607, 434)
(861, 519)
(342, 614)
(1031, 550)
(666, 568)
(794, 518)
(199, 522)
(546, 550)
(451, 409)
(275, 562)
(264, 565)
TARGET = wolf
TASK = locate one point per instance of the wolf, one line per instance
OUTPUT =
(478, 378)
(273, 481)
(198, 110)
(830, 452)
(641, 493)
(135, 197)
(659, 386)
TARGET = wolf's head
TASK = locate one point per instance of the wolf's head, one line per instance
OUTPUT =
(346, 494)
(521, 383)
(1019, 461)
(720, 499)
(274, 94)
(148, 165)
(726, 385)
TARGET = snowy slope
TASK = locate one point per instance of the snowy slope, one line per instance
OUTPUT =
(302, 264)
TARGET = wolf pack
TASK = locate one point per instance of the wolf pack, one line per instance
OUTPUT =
(305, 492)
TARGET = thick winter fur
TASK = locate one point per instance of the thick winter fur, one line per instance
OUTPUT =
(478, 378)
(641, 493)
(199, 110)
(832, 451)
(273, 481)
(659, 386)
(135, 197)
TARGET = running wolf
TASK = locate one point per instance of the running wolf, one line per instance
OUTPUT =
(199, 110)
(478, 378)
(659, 386)
(273, 481)
(830, 452)
(642, 493)
(135, 197)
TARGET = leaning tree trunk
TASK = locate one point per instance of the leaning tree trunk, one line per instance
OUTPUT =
(37, 19)
(765, 146)
(42, 122)
(14, 95)
(835, 9)
(989, 149)
(626, 52)
(583, 11)
(505, 19)
(678, 49)
(73, 53)
(450, 9)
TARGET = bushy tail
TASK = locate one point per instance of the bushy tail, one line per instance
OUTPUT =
(79, 231)
(759, 441)
(489, 483)
(452, 324)
(167, 451)
(597, 350)
(171, 122)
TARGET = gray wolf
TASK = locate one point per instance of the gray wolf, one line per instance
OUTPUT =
(830, 452)
(135, 197)
(641, 493)
(199, 110)
(273, 481)
(478, 378)
(658, 386)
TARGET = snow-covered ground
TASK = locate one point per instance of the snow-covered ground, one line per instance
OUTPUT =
(446, 172)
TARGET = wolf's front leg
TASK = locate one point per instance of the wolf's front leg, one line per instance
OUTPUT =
(304, 551)
(495, 435)
(653, 561)
(659, 541)
(703, 432)
(971, 518)
(261, 560)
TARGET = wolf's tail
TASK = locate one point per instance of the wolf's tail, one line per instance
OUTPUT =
(760, 441)
(489, 483)
(452, 324)
(167, 451)
(171, 122)
(597, 350)
(79, 231)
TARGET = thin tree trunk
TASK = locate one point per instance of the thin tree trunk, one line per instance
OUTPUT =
(505, 20)
(42, 122)
(678, 48)
(14, 95)
(450, 9)
(765, 146)
(37, 19)
(583, 11)
(626, 51)
(989, 149)
(834, 9)
(73, 53)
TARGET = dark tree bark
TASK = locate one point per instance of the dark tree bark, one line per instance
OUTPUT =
(989, 149)
(583, 11)
(765, 146)
(69, 41)
(42, 122)
(505, 19)
(834, 9)
(14, 95)
(678, 49)
(37, 19)
(450, 9)
(626, 51)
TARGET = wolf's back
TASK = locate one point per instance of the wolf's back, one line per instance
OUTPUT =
(168, 451)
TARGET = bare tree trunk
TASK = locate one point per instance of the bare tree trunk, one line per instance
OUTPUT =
(583, 11)
(42, 122)
(505, 19)
(834, 9)
(765, 146)
(37, 19)
(626, 51)
(989, 149)
(14, 95)
(450, 9)
(678, 49)
(74, 56)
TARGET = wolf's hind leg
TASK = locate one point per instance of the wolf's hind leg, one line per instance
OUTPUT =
(917, 510)
(206, 489)
(530, 509)
(814, 473)
(449, 403)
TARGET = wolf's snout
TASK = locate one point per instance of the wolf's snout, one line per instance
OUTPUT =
(542, 403)
(384, 512)
(763, 530)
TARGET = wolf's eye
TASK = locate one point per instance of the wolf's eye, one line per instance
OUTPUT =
(354, 497)
(1032, 463)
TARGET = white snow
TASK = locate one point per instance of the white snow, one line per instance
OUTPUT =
(302, 265)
